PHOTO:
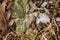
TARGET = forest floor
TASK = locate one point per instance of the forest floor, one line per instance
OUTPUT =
(30, 20)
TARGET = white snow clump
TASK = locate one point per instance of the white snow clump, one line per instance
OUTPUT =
(44, 4)
(43, 18)
(58, 19)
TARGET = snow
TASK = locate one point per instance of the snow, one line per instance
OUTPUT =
(50, 1)
(43, 18)
(33, 14)
(46, 11)
(58, 19)
(38, 2)
(44, 4)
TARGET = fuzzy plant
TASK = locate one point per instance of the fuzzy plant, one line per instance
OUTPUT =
(21, 15)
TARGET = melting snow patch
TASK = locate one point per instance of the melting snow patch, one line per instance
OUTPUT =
(58, 19)
(43, 18)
